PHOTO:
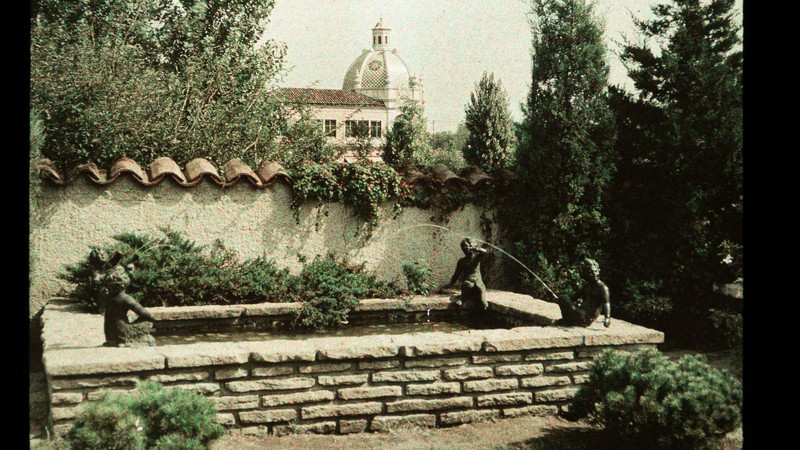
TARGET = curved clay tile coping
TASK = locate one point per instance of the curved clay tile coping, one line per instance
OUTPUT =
(475, 176)
(127, 165)
(267, 173)
(271, 171)
(196, 168)
(445, 176)
(236, 168)
(165, 166)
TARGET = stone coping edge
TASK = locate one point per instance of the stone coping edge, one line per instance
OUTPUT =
(94, 360)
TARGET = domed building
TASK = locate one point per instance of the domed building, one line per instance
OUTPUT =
(374, 88)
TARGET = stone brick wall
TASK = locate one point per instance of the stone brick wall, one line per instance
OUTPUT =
(344, 384)
(361, 394)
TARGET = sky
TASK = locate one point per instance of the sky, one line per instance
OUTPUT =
(449, 43)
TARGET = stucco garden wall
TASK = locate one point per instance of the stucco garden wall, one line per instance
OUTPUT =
(66, 220)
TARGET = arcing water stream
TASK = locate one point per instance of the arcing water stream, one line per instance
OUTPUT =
(489, 244)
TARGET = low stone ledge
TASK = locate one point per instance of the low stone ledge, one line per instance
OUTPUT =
(430, 344)
(272, 309)
(621, 333)
(361, 347)
(420, 303)
(87, 361)
(530, 338)
(381, 304)
(279, 351)
(204, 354)
(173, 313)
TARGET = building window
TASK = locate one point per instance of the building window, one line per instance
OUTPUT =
(386, 40)
(356, 128)
(330, 128)
(375, 128)
(379, 39)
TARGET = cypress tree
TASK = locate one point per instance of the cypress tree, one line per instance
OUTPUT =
(565, 157)
(488, 119)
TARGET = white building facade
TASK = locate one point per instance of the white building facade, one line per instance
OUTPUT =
(373, 91)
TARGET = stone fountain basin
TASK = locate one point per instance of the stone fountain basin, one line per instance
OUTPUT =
(342, 384)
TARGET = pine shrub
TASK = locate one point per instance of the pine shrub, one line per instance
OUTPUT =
(153, 417)
(651, 402)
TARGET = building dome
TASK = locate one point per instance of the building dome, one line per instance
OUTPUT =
(380, 72)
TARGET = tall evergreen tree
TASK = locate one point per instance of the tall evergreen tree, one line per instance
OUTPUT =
(491, 136)
(678, 201)
(565, 157)
(408, 137)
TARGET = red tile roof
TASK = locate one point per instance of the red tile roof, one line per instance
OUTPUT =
(330, 97)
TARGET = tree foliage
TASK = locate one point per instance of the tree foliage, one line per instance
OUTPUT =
(150, 78)
(408, 136)
(566, 154)
(678, 198)
(491, 139)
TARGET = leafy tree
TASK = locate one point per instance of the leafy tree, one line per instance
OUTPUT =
(565, 158)
(408, 136)
(491, 137)
(678, 198)
(146, 79)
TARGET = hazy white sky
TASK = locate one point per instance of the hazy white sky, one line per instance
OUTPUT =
(449, 43)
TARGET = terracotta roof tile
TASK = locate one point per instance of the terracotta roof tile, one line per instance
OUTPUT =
(445, 176)
(271, 171)
(475, 176)
(165, 166)
(330, 97)
(196, 168)
(267, 174)
(235, 169)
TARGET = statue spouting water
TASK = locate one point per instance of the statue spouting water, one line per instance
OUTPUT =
(468, 269)
(112, 279)
(584, 306)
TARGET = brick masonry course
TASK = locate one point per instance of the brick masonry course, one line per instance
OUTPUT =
(322, 385)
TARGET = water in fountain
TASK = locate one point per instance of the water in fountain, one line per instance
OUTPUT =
(489, 244)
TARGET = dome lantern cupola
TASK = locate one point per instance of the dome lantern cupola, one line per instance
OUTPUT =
(380, 36)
